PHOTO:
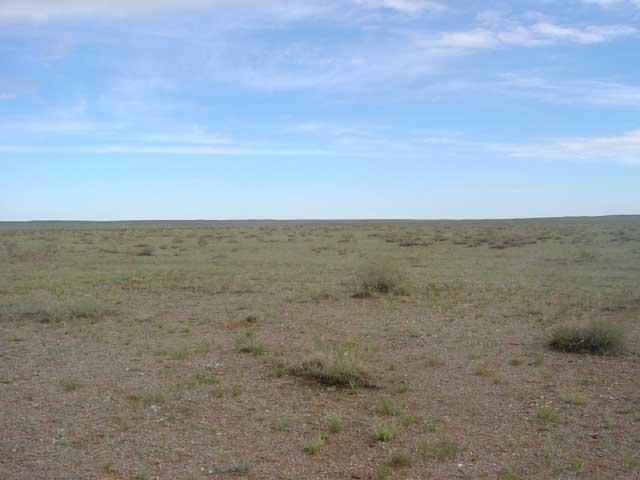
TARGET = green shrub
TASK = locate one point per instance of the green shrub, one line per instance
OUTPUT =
(598, 337)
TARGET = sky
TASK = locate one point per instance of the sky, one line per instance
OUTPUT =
(235, 109)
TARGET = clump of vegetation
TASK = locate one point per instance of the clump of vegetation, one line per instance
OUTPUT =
(598, 337)
(390, 408)
(382, 472)
(385, 431)
(443, 449)
(548, 414)
(147, 398)
(85, 308)
(69, 385)
(339, 367)
(334, 423)
(573, 398)
(314, 445)
(147, 251)
(380, 277)
(248, 342)
(400, 458)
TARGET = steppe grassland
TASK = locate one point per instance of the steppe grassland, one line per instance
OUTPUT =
(330, 350)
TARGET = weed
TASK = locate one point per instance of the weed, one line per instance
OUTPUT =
(382, 472)
(400, 458)
(390, 408)
(548, 414)
(248, 342)
(314, 445)
(69, 385)
(148, 398)
(573, 398)
(385, 431)
(408, 420)
(283, 424)
(443, 449)
(334, 423)
(516, 361)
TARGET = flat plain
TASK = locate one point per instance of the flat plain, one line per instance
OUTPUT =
(272, 350)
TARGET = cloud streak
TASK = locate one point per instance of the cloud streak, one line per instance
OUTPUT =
(572, 92)
(624, 149)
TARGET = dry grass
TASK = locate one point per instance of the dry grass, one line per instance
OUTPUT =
(339, 367)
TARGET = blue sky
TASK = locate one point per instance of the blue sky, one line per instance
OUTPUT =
(217, 109)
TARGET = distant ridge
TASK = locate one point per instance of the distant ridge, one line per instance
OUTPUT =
(111, 224)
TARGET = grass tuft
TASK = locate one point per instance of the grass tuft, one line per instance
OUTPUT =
(443, 449)
(248, 342)
(400, 458)
(334, 423)
(385, 431)
(339, 367)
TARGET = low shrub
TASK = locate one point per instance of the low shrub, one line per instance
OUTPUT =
(380, 277)
(598, 337)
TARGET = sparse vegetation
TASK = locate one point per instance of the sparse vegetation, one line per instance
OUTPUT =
(250, 347)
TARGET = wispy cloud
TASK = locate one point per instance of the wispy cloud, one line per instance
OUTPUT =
(406, 7)
(623, 149)
(612, 3)
(521, 35)
(179, 150)
(7, 96)
(585, 92)
(287, 10)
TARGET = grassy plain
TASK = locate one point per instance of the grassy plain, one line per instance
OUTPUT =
(268, 350)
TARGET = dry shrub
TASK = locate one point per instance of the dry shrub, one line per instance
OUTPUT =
(381, 277)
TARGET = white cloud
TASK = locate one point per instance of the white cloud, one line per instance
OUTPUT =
(623, 149)
(7, 96)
